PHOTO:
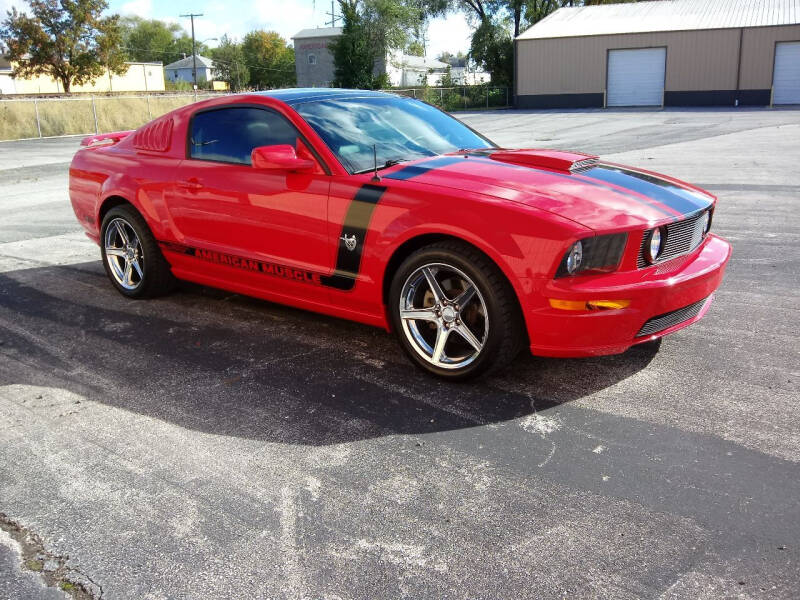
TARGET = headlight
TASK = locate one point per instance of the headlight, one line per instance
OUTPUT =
(574, 257)
(599, 253)
(654, 245)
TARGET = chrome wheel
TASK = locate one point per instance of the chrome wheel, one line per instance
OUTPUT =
(124, 254)
(444, 316)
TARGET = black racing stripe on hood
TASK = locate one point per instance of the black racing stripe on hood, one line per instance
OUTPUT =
(677, 198)
(417, 169)
(647, 201)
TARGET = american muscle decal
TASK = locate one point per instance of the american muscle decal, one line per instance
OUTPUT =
(248, 264)
(348, 259)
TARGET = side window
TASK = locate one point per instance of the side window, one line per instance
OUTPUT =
(312, 59)
(230, 134)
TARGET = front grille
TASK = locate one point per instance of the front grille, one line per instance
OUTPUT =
(665, 321)
(681, 238)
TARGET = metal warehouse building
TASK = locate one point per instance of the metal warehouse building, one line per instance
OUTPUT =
(667, 53)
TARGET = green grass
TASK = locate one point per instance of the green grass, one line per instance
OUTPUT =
(34, 565)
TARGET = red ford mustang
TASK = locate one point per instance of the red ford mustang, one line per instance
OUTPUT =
(385, 210)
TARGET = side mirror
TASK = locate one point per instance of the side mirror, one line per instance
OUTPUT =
(281, 157)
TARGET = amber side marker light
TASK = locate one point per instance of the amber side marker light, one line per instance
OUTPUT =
(589, 304)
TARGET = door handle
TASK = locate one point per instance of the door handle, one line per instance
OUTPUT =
(190, 184)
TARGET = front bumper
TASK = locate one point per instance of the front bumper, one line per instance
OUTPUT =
(654, 293)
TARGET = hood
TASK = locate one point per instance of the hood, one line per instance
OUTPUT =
(579, 187)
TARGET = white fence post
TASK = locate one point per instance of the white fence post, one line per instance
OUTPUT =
(38, 122)
(149, 114)
(94, 112)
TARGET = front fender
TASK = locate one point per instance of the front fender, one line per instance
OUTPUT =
(524, 242)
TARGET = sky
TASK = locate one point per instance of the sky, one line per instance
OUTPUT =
(237, 17)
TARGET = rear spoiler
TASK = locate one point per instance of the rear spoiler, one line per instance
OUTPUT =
(105, 138)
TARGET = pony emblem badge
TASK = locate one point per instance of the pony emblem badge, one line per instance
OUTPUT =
(349, 242)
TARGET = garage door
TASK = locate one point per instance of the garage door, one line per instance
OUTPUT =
(786, 82)
(636, 77)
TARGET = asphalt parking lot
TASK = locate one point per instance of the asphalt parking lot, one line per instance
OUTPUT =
(206, 445)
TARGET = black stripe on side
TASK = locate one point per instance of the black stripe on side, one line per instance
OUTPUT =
(356, 223)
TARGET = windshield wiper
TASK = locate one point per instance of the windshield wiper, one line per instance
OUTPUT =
(389, 163)
(394, 161)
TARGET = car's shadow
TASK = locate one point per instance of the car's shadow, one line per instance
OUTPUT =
(228, 365)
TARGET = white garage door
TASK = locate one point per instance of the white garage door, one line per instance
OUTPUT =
(636, 77)
(786, 83)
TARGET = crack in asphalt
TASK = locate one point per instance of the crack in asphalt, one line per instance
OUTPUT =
(36, 558)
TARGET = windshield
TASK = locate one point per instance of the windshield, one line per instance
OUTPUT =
(399, 128)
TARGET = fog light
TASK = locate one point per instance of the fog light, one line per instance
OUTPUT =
(654, 245)
(706, 221)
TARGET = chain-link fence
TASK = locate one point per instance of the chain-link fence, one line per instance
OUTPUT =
(26, 118)
(451, 99)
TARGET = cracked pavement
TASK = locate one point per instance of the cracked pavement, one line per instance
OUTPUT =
(209, 445)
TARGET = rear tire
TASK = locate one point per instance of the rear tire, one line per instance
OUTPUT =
(131, 256)
(454, 312)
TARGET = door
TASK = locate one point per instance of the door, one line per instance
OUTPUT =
(786, 77)
(266, 229)
(636, 77)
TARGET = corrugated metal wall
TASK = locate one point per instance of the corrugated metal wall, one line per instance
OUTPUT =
(758, 53)
(696, 60)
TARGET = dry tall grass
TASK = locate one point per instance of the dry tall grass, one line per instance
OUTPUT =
(17, 120)
(75, 116)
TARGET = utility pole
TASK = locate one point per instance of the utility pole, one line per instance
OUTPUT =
(332, 14)
(194, 51)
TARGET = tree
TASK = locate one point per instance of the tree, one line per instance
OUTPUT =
(415, 48)
(374, 28)
(230, 64)
(493, 48)
(354, 54)
(269, 58)
(68, 40)
(154, 40)
(454, 60)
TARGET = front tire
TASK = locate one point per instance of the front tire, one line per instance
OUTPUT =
(131, 256)
(454, 312)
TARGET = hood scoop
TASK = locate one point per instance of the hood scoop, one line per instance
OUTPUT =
(557, 160)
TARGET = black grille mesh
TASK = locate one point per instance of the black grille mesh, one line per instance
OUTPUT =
(665, 321)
